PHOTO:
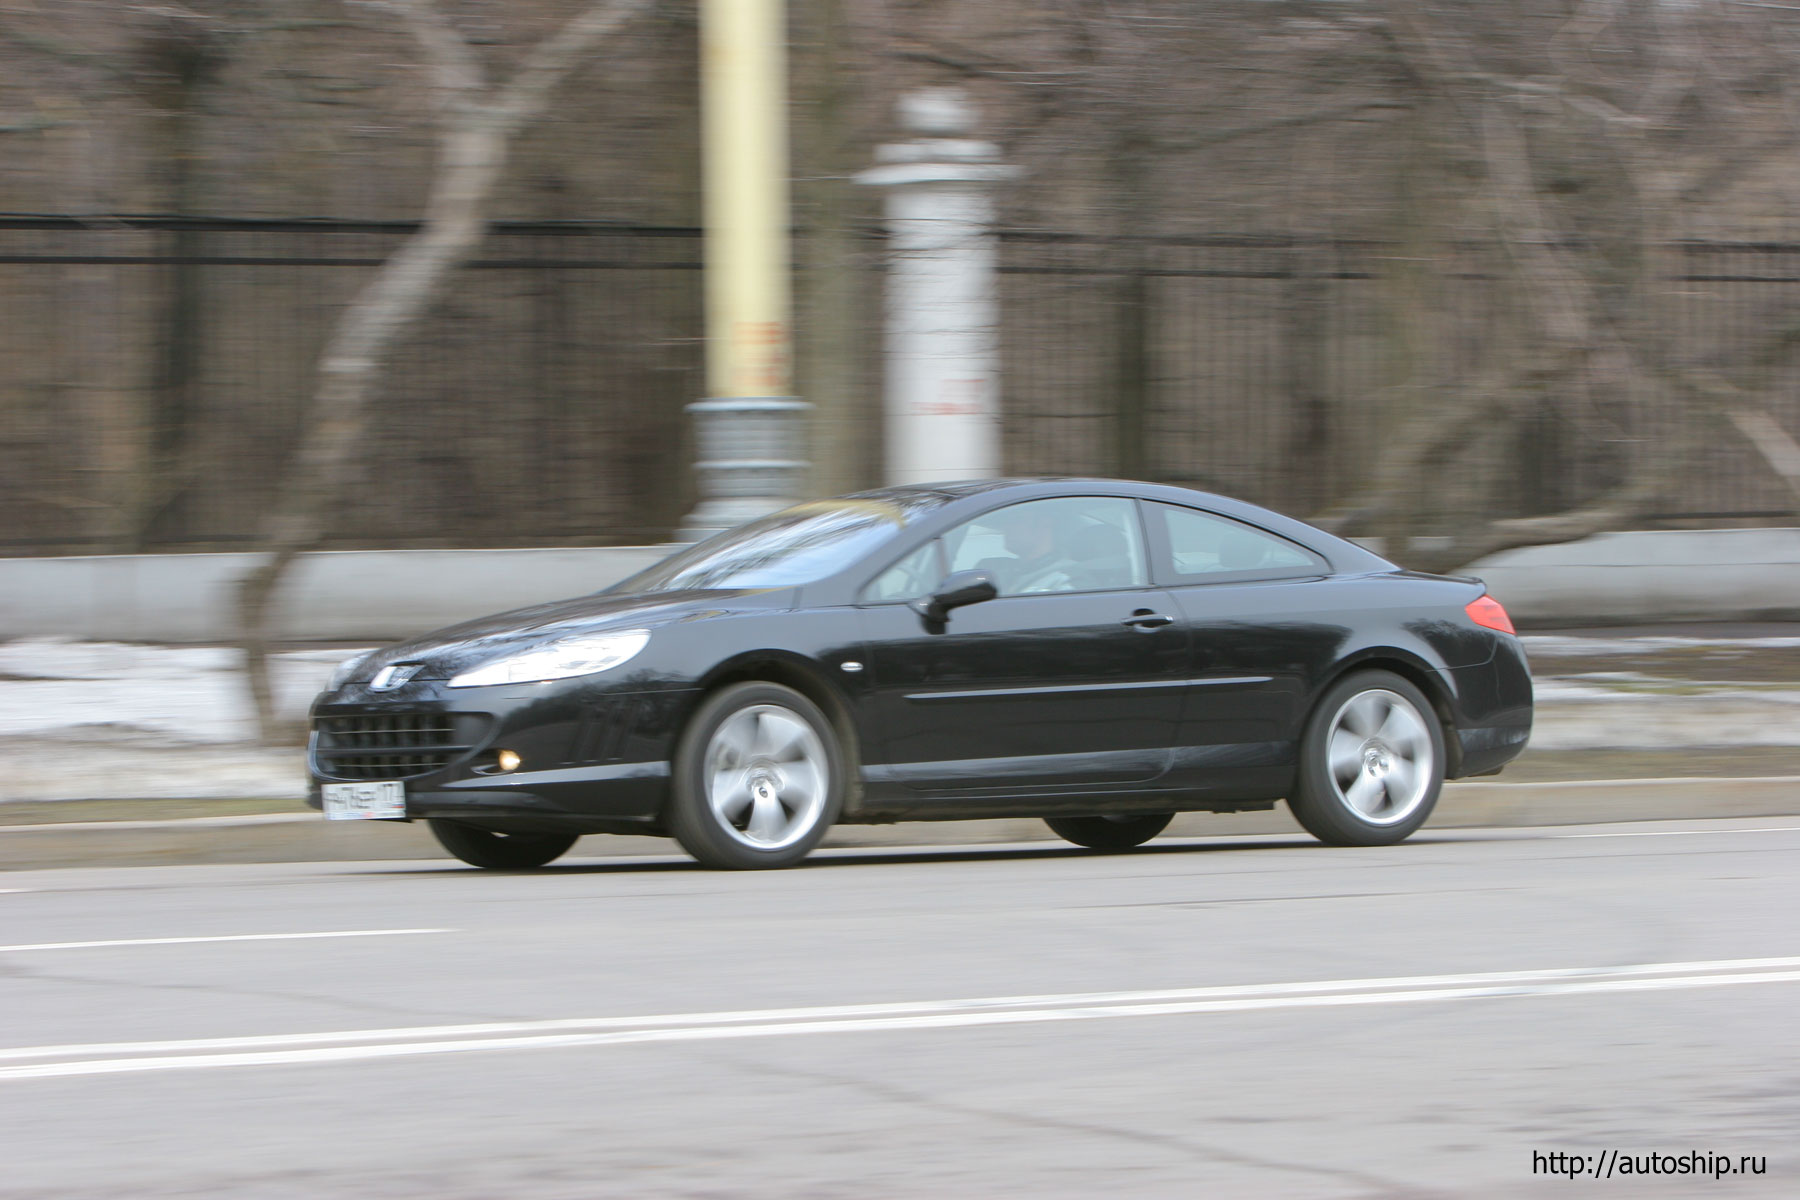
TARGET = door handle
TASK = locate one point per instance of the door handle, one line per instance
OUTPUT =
(1143, 618)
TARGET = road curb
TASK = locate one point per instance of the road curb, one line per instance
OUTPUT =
(305, 837)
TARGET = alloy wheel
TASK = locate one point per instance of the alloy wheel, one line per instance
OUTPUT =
(766, 776)
(1379, 756)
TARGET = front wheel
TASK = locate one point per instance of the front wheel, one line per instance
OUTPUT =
(1109, 833)
(1371, 762)
(759, 778)
(500, 851)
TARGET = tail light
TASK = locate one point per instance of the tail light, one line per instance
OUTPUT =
(1487, 612)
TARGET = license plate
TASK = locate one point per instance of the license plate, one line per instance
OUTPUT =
(363, 801)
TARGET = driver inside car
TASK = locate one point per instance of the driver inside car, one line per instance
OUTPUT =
(1040, 560)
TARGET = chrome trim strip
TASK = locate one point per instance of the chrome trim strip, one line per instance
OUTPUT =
(1077, 688)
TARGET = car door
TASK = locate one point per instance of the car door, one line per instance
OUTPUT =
(1259, 613)
(1069, 679)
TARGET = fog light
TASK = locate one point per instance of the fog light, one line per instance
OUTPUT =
(507, 760)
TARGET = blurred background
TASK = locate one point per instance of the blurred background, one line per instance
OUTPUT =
(1507, 287)
(1413, 267)
(1452, 278)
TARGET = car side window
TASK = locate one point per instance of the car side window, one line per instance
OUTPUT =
(910, 578)
(1202, 547)
(1067, 544)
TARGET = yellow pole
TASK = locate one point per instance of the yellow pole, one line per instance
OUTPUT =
(749, 348)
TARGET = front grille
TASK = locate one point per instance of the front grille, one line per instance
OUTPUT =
(386, 745)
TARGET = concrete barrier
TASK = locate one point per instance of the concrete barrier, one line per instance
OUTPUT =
(351, 595)
(376, 595)
(1651, 575)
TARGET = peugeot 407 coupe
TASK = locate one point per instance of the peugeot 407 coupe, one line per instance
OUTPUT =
(1096, 653)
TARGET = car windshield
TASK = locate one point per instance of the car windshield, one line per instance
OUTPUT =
(785, 549)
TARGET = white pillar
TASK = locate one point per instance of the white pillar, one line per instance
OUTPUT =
(943, 318)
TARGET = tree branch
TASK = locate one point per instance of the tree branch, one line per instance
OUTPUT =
(1445, 427)
(1764, 433)
(1616, 510)
(34, 125)
(1772, 442)
(972, 70)
(456, 72)
(53, 48)
(528, 91)
(1733, 165)
(1336, 112)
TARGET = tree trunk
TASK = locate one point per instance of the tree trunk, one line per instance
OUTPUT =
(477, 131)
(1131, 362)
(176, 413)
(843, 419)
(1307, 468)
(471, 157)
(1129, 172)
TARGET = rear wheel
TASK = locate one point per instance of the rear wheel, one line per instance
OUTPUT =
(500, 851)
(1109, 833)
(759, 778)
(1371, 763)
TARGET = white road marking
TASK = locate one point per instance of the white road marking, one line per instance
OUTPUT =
(1674, 832)
(898, 1008)
(1558, 785)
(233, 937)
(278, 1049)
(1453, 833)
(14, 891)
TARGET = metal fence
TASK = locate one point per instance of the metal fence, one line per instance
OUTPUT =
(1279, 369)
(539, 402)
(153, 373)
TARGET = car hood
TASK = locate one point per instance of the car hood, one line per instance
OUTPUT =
(445, 652)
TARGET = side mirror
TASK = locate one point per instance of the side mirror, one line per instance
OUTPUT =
(959, 589)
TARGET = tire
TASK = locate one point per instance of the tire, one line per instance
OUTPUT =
(500, 851)
(1109, 833)
(759, 778)
(1371, 762)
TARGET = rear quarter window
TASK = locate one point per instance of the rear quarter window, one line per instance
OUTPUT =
(1202, 547)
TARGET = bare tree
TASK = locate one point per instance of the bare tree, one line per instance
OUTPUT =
(1583, 174)
(477, 124)
(1520, 187)
(1117, 110)
(1544, 158)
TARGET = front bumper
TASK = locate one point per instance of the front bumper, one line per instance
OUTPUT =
(590, 759)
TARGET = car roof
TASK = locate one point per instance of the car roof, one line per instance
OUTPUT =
(956, 489)
(963, 498)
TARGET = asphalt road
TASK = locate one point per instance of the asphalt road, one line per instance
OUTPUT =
(1229, 1017)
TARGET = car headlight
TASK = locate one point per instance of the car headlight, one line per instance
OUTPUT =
(346, 669)
(559, 660)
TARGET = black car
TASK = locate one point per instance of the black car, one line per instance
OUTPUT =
(1097, 653)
